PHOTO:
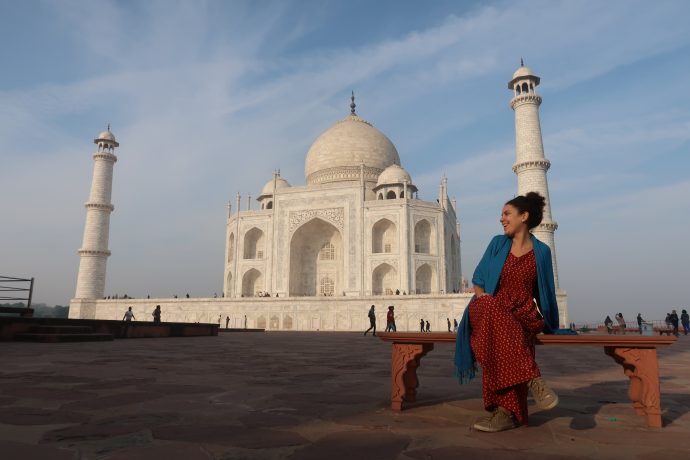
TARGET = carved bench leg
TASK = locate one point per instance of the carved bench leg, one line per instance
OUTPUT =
(642, 367)
(404, 382)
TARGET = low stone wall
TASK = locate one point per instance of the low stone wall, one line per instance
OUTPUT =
(290, 313)
(10, 326)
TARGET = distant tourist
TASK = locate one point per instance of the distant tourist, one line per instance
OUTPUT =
(188, 295)
(428, 326)
(421, 325)
(372, 320)
(455, 325)
(639, 322)
(397, 292)
(621, 323)
(498, 326)
(156, 314)
(245, 321)
(227, 321)
(129, 315)
(608, 322)
(667, 320)
(674, 322)
(685, 320)
(390, 320)
(220, 318)
(448, 320)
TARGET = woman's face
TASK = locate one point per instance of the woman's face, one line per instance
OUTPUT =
(512, 220)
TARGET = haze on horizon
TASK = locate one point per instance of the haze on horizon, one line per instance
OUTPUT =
(208, 98)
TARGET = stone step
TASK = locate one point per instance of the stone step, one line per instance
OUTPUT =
(56, 338)
(47, 329)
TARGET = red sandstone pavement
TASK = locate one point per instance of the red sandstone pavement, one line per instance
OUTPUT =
(302, 396)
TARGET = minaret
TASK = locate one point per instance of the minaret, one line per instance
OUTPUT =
(94, 249)
(531, 164)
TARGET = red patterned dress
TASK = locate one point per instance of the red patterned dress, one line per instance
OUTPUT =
(503, 330)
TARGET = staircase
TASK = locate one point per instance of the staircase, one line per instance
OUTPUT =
(56, 334)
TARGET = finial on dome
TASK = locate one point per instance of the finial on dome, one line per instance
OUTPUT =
(108, 126)
(352, 104)
(522, 63)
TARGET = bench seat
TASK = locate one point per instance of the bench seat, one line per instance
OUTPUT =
(635, 353)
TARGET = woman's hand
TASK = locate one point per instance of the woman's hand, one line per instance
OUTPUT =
(479, 292)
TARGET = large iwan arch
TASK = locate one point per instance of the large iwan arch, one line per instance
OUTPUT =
(252, 282)
(384, 280)
(316, 259)
(384, 237)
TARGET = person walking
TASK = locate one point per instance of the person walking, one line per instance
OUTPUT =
(421, 325)
(448, 321)
(372, 321)
(390, 320)
(621, 323)
(499, 326)
(608, 322)
(227, 322)
(455, 325)
(428, 326)
(156, 314)
(674, 322)
(685, 320)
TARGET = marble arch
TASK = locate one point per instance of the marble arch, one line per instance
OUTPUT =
(309, 265)
(384, 280)
(384, 237)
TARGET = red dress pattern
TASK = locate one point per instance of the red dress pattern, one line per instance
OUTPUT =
(503, 330)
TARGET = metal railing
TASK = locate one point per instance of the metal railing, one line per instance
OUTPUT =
(16, 289)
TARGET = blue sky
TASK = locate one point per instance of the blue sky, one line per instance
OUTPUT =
(207, 98)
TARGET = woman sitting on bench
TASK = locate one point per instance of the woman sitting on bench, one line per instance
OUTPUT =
(499, 324)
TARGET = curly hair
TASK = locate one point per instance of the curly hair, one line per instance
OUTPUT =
(533, 204)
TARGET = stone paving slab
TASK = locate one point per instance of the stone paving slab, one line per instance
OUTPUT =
(301, 396)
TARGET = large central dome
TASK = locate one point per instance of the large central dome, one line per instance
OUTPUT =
(338, 152)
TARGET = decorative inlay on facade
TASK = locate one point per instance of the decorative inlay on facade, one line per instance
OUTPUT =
(343, 173)
(107, 207)
(550, 226)
(91, 252)
(334, 216)
(419, 262)
(105, 156)
(525, 99)
(540, 164)
(392, 262)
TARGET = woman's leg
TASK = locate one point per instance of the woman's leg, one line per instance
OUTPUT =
(505, 352)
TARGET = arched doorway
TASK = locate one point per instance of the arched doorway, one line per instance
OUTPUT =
(384, 237)
(384, 280)
(316, 259)
(252, 282)
(424, 279)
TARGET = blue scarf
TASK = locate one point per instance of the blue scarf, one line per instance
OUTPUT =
(487, 275)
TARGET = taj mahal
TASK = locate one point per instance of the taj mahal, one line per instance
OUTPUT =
(316, 256)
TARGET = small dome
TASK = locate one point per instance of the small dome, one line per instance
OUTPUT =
(522, 72)
(394, 174)
(339, 151)
(106, 135)
(268, 188)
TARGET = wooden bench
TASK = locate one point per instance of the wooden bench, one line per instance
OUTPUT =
(635, 353)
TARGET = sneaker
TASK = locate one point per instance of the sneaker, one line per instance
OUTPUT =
(544, 396)
(498, 421)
